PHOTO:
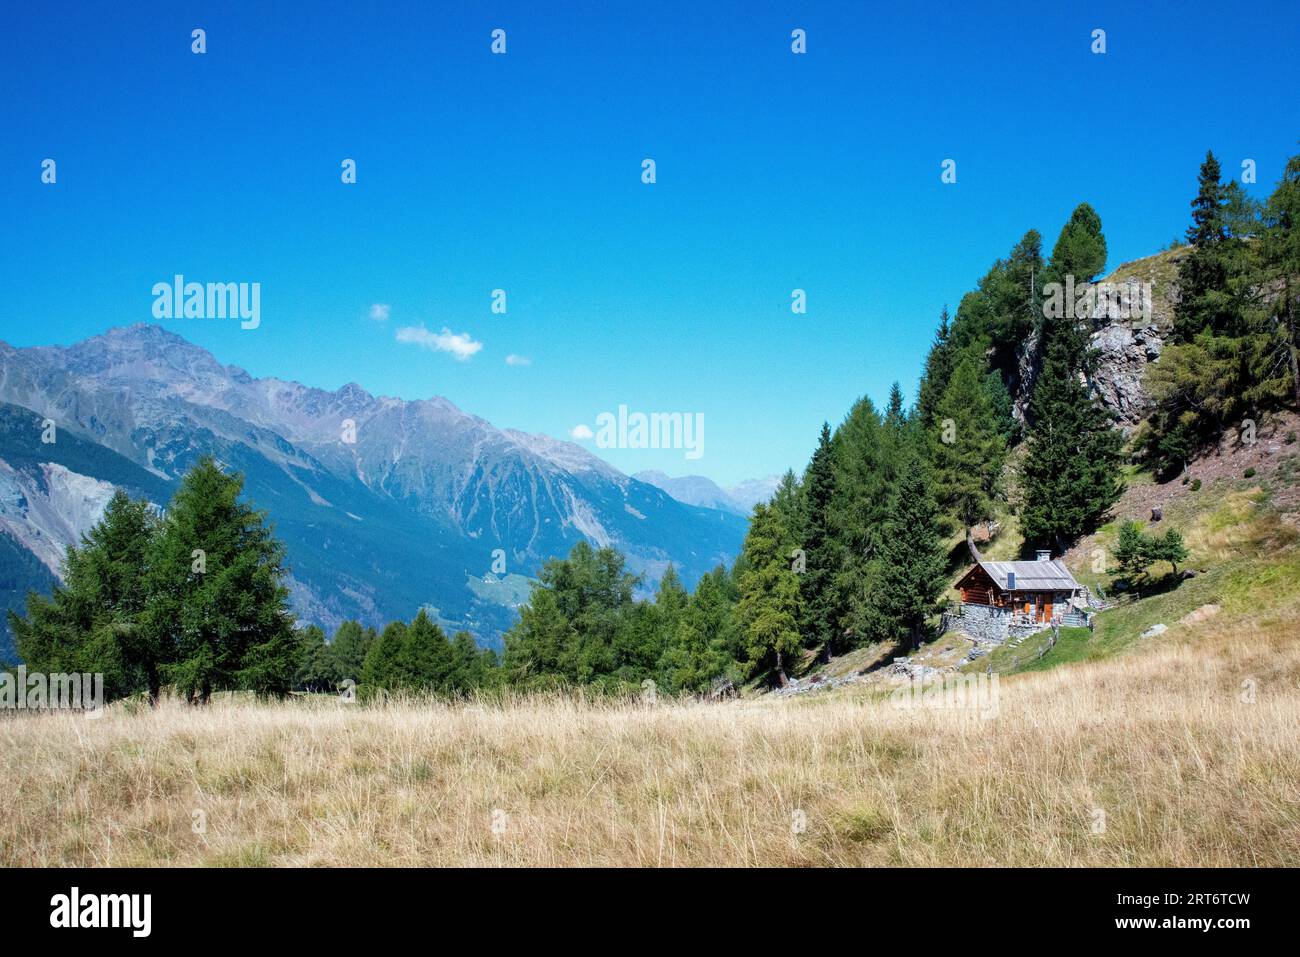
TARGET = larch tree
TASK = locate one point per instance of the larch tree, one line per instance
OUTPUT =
(768, 612)
(968, 449)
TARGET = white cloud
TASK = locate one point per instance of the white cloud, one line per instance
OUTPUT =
(514, 360)
(379, 311)
(459, 344)
(581, 431)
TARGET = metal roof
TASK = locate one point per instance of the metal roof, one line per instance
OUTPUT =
(1032, 576)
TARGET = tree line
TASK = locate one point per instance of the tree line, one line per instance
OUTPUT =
(1232, 354)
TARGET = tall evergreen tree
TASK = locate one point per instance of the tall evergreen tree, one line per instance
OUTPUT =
(768, 612)
(472, 668)
(938, 369)
(92, 622)
(817, 582)
(1071, 471)
(424, 661)
(1202, 274)
(968, 449)
(1080, 249)
(218, 607)
(383, 667)
(318, 670)
(349, 647)
(788, 503)
(909, 576)
(701, 649)
(573, 627)
(857, 507)
(1233, 349)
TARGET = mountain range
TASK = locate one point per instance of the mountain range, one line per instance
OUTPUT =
(704, 492)
(385, 505)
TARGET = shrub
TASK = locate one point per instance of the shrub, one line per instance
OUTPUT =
(1249, 473)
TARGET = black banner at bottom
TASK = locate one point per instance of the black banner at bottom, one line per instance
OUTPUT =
(218, 907)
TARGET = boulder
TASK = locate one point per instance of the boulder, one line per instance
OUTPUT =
(1154, 630)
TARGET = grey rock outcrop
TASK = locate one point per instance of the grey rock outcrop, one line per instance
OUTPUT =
(1123, 355)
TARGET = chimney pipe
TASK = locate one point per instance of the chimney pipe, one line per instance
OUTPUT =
(1044, 555)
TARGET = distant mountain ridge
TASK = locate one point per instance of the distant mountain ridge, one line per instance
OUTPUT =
(386, 505)
(701, 491)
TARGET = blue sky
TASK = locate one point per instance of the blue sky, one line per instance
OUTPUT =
(523, 172)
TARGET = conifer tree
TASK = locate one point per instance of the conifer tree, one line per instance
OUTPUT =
(895, 414)
(471, 668)
(699, 652)
(908, 579)
(768, 612)
(317, 671)
(1071, 471)
(858, 504)
(218, 609)
(939, 364)
(788, 503)
(348, 649)
(820, 623)
(1080, 249)
(92, 622)
(671, 600)
(968, 449)
(1132, 551)
(382, 669)
(1202, 274)
(424, 661)
(575, 625)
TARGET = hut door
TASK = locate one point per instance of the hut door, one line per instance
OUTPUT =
(1038, 607)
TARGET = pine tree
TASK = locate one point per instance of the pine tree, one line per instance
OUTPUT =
(938, 370)
(671, 601)
(788, 503)
(1169, 548)
(1080, 249)
(349, 647)
(92, 622)
(858, 505)
(472, 667)
(1132, 551)
(382, 669)
(424, 661)
(700, 651)
(968, 449)
(1202, 274)
(575, 625)
(820, 624)
(317, 673)
(768, 612)
(1071, 471)
(908, 579)
(218, 611)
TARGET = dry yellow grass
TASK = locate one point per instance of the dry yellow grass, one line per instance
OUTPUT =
(1185, 771)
